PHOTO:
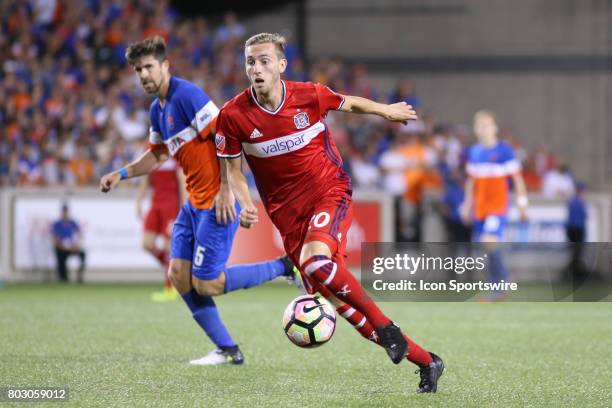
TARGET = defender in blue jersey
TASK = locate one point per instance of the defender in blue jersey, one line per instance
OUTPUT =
(182, 122)
(490, 167)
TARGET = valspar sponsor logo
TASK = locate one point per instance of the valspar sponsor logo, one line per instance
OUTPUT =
(283, 144)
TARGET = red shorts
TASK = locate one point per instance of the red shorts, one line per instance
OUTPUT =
(330, 222)
(160, 219)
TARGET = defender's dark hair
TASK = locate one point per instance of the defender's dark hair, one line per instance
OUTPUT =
(155, 46)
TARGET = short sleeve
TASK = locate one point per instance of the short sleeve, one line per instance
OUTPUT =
(511, 163)
(470, 162)
(226, 138)
(328, 99)
(155, 139)
(199, 110)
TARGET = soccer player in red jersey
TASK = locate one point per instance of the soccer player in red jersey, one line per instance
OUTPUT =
(168, 193)
(279, 126)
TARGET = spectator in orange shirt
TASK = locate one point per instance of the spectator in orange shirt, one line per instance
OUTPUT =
(419, 175)
(21, 99)
(82, 167)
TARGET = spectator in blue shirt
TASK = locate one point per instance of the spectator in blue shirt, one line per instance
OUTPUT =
(576, 231)
(457, 230)
(577, 215)
(404, 91)
(67, 242)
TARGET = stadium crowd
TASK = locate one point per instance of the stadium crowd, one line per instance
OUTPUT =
(71, 109)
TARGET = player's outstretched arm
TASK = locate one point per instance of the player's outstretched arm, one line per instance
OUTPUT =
(237, 182)
(395, 112)
(145, 164)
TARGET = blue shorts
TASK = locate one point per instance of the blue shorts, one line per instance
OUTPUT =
(198, 238)
(491, 225)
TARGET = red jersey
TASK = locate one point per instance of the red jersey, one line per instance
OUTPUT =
(165, 185)
(290, 151)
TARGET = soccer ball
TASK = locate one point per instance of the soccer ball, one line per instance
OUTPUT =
(309, 321)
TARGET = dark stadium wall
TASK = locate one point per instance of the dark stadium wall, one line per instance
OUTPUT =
(567, 112)
(544, 65)
(458, 27)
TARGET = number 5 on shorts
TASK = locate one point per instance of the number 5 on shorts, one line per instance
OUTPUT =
(198, 260)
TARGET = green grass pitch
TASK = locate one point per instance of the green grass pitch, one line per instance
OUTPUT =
(112, 347)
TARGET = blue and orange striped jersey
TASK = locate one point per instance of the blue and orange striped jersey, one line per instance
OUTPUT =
(183, 126)
(491, 167)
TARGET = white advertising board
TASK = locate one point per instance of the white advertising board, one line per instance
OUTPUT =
(111, 231)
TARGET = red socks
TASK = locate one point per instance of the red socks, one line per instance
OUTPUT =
(342, 284)
(416, 354)
(164, 259)
(359, 310)
(359, 322)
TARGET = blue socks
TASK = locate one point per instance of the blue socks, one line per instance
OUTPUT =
(205, 312)
(247, 276)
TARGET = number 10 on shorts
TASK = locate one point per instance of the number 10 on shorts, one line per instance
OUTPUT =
(198, 259)
(319, 220)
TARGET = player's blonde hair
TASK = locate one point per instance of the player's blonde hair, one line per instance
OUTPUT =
(272, 38)
(155, 46)
(486, 114)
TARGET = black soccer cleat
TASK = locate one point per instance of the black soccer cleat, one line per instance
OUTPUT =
(430, 374)
(392, 339)
(234, 356)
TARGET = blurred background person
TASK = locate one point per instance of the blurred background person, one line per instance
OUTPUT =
(558, 183)
(491, 164)
(67, 242)
(168, 193)
(404, 91)
(421, 178)
(454, 195)
(576, 231)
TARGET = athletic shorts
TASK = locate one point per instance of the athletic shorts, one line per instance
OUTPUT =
(490, 225)
(198, 238)
(159, 219)
(330, 221)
